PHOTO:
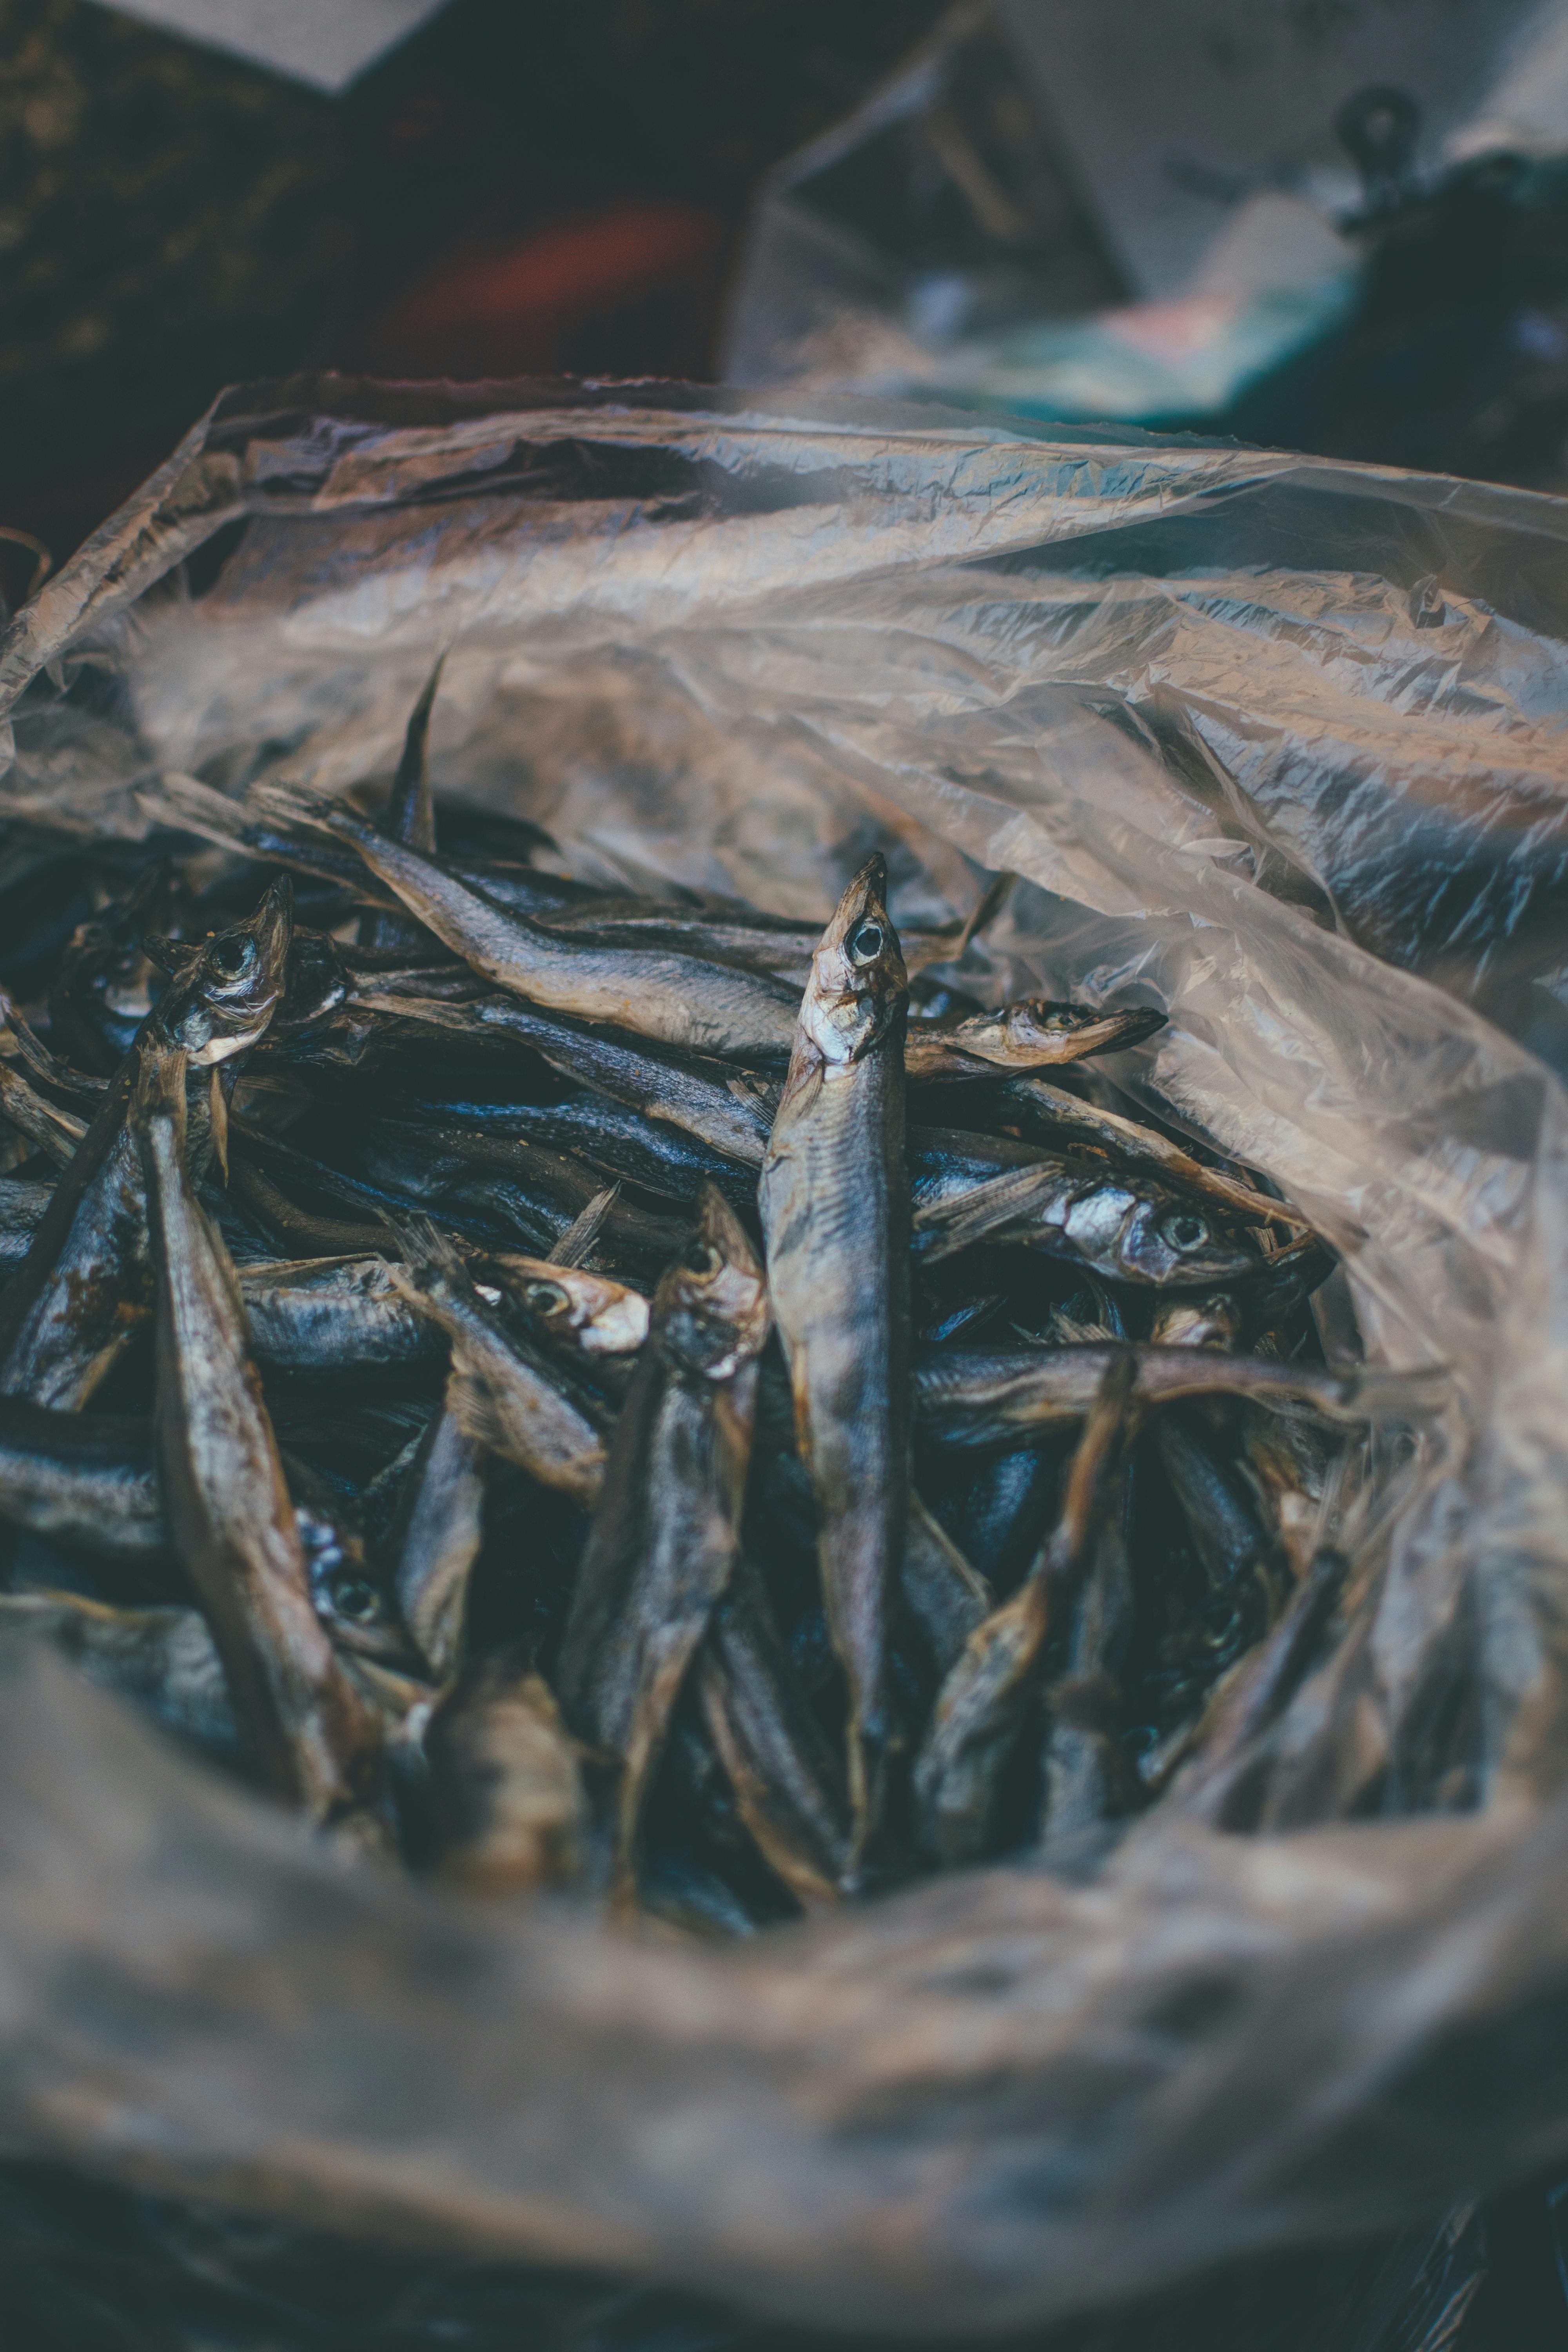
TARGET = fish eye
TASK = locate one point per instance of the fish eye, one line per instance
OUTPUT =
(546, 1297)
(866, 940)
(702, 1259)
(355, 1598)
(1185, 1229)
(230, 954)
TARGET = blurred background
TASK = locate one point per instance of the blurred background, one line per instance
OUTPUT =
(1333, 224)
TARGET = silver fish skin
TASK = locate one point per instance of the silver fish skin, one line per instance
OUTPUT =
(1120, 1224)
(681, 999)
(1032, 1033)
(695, 1094)
(786, 1780)
(503, 1393)
(434, 1538)
(86, 1479)
(665, 1535)
(834, 1197)
(81, 1290)
(1030, 1106)
(333, 1315)
(22, 1206)
(230, 1516)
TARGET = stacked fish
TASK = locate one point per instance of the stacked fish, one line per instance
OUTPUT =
(649, 1396)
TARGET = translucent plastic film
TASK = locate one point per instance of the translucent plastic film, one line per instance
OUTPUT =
(1276, 744)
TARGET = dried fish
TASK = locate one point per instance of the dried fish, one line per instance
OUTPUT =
(477, 1531)
(785, 1777)
(331, 1316)
(1033, 1034)
(681, 999)
(980, 1710)
(1124, 1228)
(503, 1394)
(834, 1197)
(81, 1289)
(228, 1507)
(666, 1535)
(435, 1537)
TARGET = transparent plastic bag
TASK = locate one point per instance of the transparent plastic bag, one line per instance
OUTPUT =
(1238, 720)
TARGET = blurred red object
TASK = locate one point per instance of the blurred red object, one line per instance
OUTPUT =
(635, 291)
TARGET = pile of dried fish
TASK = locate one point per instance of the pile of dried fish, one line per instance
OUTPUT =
(648, 1396)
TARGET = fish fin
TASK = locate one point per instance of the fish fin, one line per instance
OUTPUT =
(473, 1405)
(575, 1244)
(410, 815)
(217, 1113)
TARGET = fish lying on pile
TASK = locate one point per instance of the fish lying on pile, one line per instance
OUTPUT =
(573, 1389)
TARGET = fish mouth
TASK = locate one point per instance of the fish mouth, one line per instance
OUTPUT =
(220, 1048)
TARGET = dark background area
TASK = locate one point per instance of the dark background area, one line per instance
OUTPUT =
(515, 190)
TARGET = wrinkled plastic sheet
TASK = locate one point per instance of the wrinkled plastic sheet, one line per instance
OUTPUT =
(1275, 742)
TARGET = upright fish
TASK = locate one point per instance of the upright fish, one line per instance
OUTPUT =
(835, 1205)
(229, 1513)
(665, 1535)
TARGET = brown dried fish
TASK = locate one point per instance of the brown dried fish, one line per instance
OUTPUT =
(665, 1537)
(981, 1707)
(834, 1197)
(229, 1513)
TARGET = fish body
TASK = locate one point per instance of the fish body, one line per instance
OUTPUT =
(333, 1317)
(787, 1782)
(695, 1094)
(666, 1535)
(1032, 1033)
(230, 1517)
(981, 1707)
(834, 1197)
(162, 1658)
(23, 1202)
(86, 1479)
(665, 993)
(434, 1538)
(505, 1785)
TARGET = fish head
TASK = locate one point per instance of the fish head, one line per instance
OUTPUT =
(710, 1311)
(600, 1317)
(858, 984)
(224, 995)
(1197, 1320)
(316, 980)
(1038, 1030)
(1179, 1243)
